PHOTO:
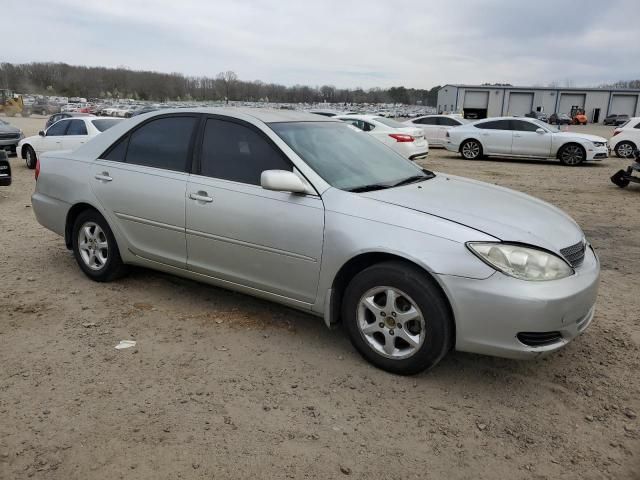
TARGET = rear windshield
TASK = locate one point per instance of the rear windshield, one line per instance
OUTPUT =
(389, 123)
(105, 123)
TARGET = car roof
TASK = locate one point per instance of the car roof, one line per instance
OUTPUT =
(361, 116)
(266, 115)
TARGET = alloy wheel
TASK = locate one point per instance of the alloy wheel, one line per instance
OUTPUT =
(471, 150)
(93, 245)
(625, 150)
(572, 155)
(390, 322)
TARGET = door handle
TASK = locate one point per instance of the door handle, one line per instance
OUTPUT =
(517, 135)
(485, 134)
(103, 177)
(201, 196)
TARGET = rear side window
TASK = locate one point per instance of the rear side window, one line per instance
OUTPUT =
(162, 143)
(77, 127)
(448, 122)
(235, 152)
(117, 151)
(494, 125)
(428, 121)
(104, 123)
(58, 128)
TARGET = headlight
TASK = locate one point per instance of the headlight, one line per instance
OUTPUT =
(599, 144)
(525, 263)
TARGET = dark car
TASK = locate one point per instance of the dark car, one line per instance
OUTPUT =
(59, 116)
(539, 115)
(560, 119)
(616, 120)
(140, 111)
(44, 107)
(9, 137)
(5, 170)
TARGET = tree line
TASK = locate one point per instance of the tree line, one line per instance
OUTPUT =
(61, 79)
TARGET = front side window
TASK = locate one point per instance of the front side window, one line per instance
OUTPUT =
(58, 128)
(232, 151)
(522, 126)
(162, 143)
(77, 127)
(345, 159)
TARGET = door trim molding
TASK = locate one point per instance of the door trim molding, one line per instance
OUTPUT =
(146, 221)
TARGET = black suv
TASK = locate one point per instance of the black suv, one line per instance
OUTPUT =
(616, 120)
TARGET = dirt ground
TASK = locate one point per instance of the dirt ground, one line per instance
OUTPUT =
(221, 385)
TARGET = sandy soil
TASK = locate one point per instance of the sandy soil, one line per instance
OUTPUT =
(221, 385)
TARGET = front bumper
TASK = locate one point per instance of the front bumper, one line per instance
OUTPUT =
(10, 145)
(598, 153)
(490, 313)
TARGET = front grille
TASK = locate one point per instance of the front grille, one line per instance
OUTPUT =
(539, 339)
(574, 254)
(9, 136)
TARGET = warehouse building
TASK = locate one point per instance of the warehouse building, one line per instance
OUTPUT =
(481, 101)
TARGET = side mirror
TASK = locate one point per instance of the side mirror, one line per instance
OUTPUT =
(541, 131)
(282, 181)
(41, 133)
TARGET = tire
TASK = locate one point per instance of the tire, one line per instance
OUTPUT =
(428, 323)
(30, 157)
(572, 155)
(625, 149)
(620, 179)
(471, 150)
(100, 260)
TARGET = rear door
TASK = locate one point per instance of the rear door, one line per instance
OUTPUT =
(239, 232)
(141, 183)
(75, 135)
(496, 136)
(527, 141)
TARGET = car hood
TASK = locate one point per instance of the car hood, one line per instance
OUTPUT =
(8, 129)
(505, 214)
(583, 136)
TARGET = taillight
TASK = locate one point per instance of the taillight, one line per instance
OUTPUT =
(37, 173)
(615, 132)
(400, 137)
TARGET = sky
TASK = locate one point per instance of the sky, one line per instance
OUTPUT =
(345, 43)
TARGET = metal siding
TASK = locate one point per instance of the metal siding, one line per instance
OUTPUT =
(567, 100)
(624, 104)
(520, 103)
(476, 99)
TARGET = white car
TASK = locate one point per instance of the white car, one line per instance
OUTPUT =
(435, 127)
(524, 137)
(66, 134)
(407, 141)
(626, 138)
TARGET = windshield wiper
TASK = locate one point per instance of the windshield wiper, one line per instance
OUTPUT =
(369, 188)
(414, 179)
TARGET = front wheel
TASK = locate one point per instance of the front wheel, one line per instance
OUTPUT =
(471, 150)
(95, 248)
(572, 155)
(30, 157)
(625, 149)
(397, 318)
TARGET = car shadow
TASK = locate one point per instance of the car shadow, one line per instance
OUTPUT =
(528, 161)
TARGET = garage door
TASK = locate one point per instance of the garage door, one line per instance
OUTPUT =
(520, 103)
(567, 100)
(476, 99)
(624, 105)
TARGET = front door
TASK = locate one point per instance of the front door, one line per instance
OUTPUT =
(141, 183)
(527, 141)
(52, 139)
(239, 232)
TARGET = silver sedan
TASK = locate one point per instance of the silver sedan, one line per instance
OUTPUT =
(304, 211)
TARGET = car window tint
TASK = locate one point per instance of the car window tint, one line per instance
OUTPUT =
(77, 127)
(105, 123)
(429, 121)
(117, 151)
(162, 143)
(494, 125)
(448, 122)
(232, 151)
(58, 128)
(523, 126)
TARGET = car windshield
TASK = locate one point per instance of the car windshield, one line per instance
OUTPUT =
(345, 158)
(389, 122)
(105, 123)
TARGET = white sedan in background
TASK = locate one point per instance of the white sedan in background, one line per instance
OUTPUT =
(524, 137)
(66, 134)
(407, 141)
(435, 127)
(626, 138)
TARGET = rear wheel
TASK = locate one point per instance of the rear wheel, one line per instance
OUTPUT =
(397, 318)
(30, 157)
(572, 155)
(95, 247)
(471, 150)
(625, 149)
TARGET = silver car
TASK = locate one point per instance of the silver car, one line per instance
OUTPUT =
(303, 210)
